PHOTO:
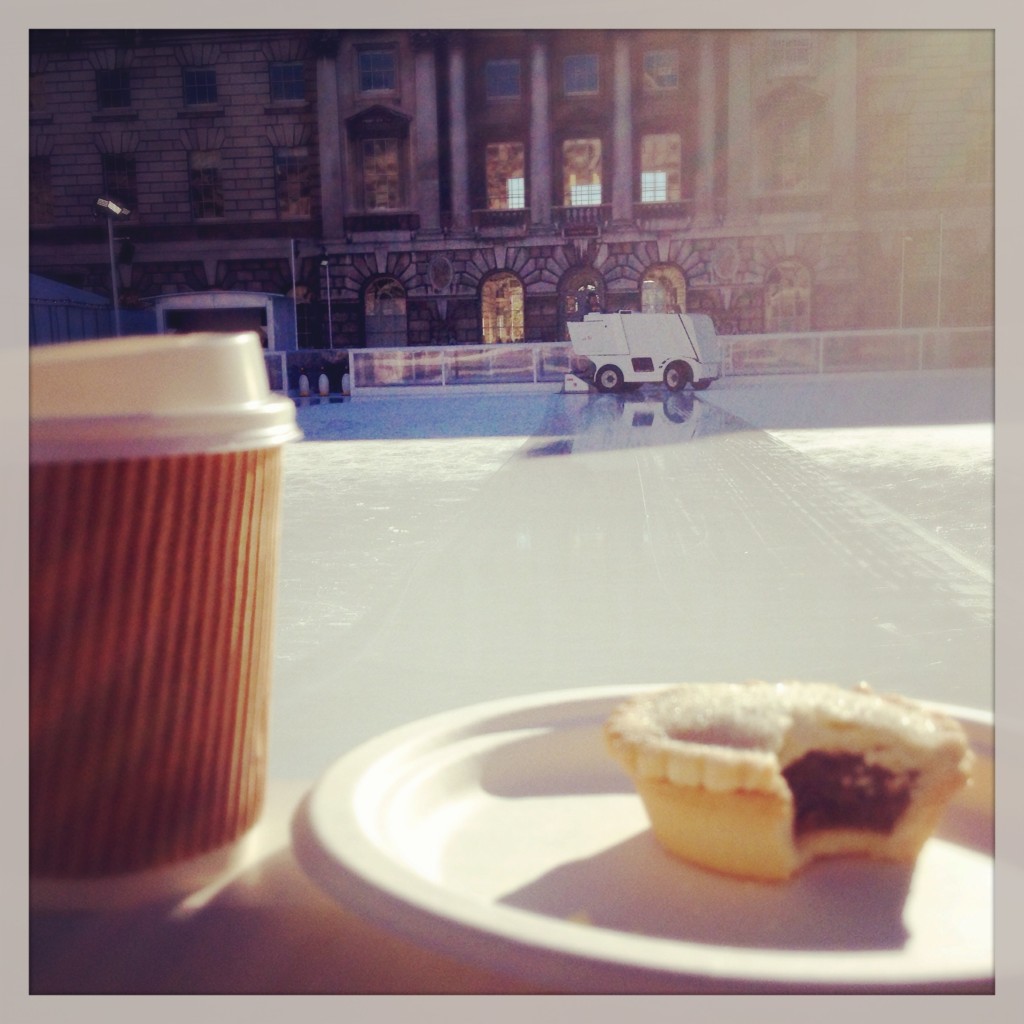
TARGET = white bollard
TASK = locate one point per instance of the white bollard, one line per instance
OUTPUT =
(323, 385)
(303, 386)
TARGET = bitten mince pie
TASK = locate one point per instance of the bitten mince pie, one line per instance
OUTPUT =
(758, 779)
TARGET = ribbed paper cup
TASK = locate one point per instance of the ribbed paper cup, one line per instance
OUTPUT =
(155, 484)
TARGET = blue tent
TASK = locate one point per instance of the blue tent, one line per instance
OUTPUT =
(58, 312)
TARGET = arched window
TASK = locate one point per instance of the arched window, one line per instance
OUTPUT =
(787, 298)
(501, 308)
(663, 291)
(581, 292)
(384, 313)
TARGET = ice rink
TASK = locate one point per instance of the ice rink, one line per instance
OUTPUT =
(441, 551)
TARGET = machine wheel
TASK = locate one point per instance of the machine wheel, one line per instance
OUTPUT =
(677, 376)
(608, 378)
(701, 385)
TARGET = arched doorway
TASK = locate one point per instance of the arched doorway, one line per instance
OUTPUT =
(582, 292)
(787, 298)
(384, 314)
(501, 308)
(663, 290)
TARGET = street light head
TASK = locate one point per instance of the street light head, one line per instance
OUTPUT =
(114, 209)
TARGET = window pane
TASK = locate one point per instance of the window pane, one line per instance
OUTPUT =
(200, 85)
(113, 88)
(506, 171)
(581, 169)
(502, 79)
(381, 174)
(661, 69)
(660, 175)
(581, 74)
(516, 193)
(653, 187)
(204, 185)
(501, 303)
(376, 70)
(294, 182)
(287, 81)
(119, 178)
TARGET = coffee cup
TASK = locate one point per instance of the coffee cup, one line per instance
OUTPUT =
(155, 483)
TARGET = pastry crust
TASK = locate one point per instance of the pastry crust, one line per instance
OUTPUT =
(757, 779)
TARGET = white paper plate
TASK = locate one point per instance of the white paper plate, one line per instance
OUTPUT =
(503, 835)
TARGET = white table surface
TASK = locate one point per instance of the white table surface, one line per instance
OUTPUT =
(443, 552)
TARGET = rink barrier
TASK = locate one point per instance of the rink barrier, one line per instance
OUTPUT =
(542, 366)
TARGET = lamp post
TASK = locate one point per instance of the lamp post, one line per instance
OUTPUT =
(903, 269)
(325, 263)
(114, 211)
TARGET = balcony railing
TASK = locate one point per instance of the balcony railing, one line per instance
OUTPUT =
(678, 211)
(582, 220)
(507, 220)
(396, 221)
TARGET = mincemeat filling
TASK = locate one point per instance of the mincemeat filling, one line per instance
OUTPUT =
(840, 790)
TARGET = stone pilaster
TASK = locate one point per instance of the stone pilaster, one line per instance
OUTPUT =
(332, 184)
(540, 135)
(461, 213)
(622, 136)
(426, 184)
(707, 103)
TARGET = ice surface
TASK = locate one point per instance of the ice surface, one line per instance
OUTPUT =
(439, 551)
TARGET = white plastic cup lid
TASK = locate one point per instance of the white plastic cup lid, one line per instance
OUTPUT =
(153, 395)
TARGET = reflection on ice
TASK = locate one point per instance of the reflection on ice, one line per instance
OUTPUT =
(441, 551)
(634, 419)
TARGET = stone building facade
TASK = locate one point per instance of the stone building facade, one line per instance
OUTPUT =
(458, 187)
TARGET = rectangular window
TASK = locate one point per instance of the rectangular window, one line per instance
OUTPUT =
(516, 191)
(661, 70)
(120, 180)
(660, 168)
(205, 191)
(382, 174)
(653, 186)
(581, 172)
(377, 71)
(40, 190)
(293, 177)
(506, 176)
(287, 81)
(501, 78)
(113, 88)
(200, 86)
(581, 74)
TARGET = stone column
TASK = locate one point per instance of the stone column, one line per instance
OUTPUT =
(426, 184)
(622, 136)
(707, 103)
(844, 115)
(741, 148)
(540, 135)
(332, 184)
(461, 212)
